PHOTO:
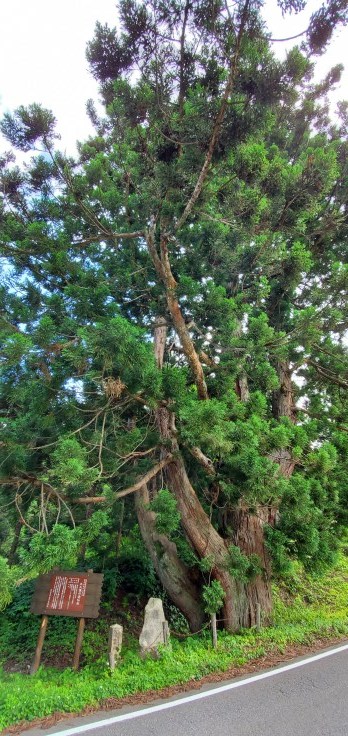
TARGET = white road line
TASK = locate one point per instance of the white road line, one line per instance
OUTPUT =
(198, 696)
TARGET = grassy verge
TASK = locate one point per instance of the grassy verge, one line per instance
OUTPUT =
(306, 609)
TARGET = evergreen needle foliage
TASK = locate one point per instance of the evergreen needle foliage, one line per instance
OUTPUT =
(173, 318)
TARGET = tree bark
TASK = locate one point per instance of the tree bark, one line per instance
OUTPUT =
(248, 535)
(242, 387)
(202, 535)
(174, 575)
(160, 336)
(172, 572)
(198, 528)
(165, 274)
(283, 404)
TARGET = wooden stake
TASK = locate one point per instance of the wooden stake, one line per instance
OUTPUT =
(78, 643)
(258, 616)
(165, 632)
(213, 630)
(40, 640)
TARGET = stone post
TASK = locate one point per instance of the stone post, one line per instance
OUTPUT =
(155, 630)
(115, 644)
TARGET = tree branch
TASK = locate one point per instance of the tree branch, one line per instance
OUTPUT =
(289, 38)
(147, 477)
(150, 240)
(111, 236)
(218, 123)
(163, 269)
(182, 58)
(325, 373)
(203, 460)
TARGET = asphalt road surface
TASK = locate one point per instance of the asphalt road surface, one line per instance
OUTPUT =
(308, 697)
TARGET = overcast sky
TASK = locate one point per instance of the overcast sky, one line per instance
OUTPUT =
(42, 56)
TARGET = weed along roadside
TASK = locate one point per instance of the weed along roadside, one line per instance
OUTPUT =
(309, 612)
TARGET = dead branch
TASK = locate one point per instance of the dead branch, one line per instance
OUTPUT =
(160, 336)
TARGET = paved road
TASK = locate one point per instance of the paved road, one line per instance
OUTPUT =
(306, 700)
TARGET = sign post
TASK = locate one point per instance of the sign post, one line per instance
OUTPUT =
(78, 643)
(37, 656)
(73, 594)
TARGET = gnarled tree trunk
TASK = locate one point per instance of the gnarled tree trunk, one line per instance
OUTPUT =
(172, 572)
(248, 535)
(201, 533)
(174, 575)
(240, 600)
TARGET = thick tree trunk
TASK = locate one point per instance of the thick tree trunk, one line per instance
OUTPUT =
(172, 572)
(238, 610)
(198, 528)
(174, 575)
(242, 387)
(249, 537)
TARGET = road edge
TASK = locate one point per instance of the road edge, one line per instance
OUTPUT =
(256, 666)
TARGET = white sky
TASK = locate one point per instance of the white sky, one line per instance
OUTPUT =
(42, 56)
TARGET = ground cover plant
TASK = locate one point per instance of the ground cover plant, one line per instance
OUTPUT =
(307, 608)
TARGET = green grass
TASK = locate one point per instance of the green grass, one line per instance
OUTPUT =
(306, 608)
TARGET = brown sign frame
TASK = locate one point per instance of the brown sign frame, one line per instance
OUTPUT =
(43, 592)
(70, 593)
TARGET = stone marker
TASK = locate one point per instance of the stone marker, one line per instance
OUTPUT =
(115, 644)
(155, 630)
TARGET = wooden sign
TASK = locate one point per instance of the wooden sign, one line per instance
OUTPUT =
(59, 593)
(75, 594)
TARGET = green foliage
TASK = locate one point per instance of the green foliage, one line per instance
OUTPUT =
(174, 383)
(69, 465)
(136, 575)
(250, 276)
(243, 567)
(167, 515)
(277, 545)
(121, 349)
(95, 525)
(27, 125)
(14, 348)
(204, 424)
(7, 581)
(213, 596)
(58, 549)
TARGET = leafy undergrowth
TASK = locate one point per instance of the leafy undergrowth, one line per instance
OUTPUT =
(306, 608)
